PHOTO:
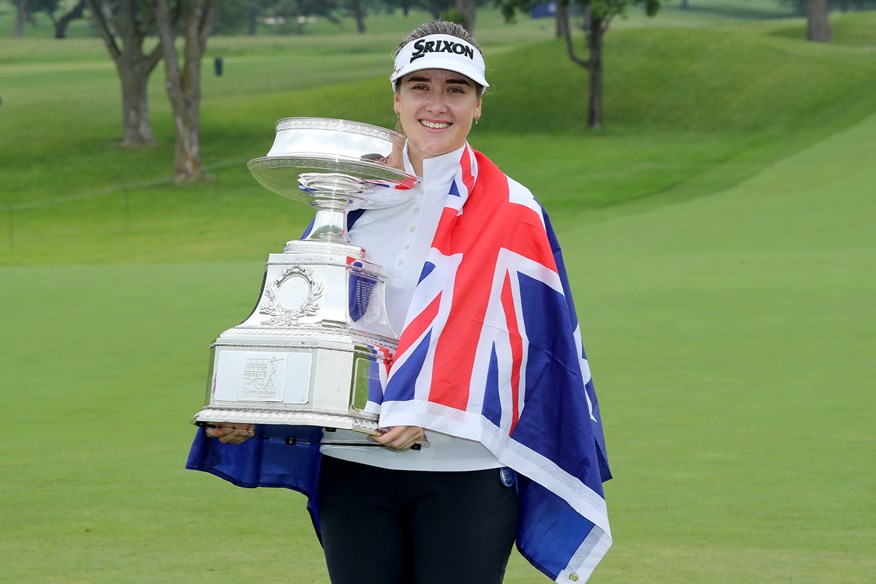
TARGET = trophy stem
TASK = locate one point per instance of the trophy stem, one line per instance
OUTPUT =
(330, 224)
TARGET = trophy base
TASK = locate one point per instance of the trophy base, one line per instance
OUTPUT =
(294, 380)
(360, 422)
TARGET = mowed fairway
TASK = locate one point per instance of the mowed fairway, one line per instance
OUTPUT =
(724, 278)
(734, 337)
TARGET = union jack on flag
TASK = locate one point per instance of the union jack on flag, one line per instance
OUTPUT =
(491, 351)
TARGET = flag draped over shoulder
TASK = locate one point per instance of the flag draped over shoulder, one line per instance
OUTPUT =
(491, 351)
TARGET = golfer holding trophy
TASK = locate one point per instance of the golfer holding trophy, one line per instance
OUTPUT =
(414, 365)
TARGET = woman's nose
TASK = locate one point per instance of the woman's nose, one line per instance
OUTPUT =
(437, 102)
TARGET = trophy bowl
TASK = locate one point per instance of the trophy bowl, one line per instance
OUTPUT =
(318, 342)
(322, 160)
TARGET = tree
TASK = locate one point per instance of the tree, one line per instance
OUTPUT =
(21, 16)
(358, 14)
(75, 13)
(50, 7)
(26, 9)
(435, 7)
(467, 9)
(597, 15)
(562, 21)
(405, 5)
(240, 17)
(123, 26)
(817, 24)
(183, 83)
(294, 15)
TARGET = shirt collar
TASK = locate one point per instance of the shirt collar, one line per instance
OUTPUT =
(438, 170)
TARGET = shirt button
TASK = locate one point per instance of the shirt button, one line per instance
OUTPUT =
(408, 246)
(412, 229)
(400, 262)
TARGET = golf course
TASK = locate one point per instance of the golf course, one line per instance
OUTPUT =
(716, 237)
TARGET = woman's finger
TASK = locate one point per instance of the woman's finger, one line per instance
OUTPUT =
(401, 437)
(228, 433)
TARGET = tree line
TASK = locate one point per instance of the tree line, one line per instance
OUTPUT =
(238, 17)
(139, 34)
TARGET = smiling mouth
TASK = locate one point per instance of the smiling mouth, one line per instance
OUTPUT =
(435, 125)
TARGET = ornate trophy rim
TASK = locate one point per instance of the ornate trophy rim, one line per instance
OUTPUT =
(340, 125)
(363, 169)
(336, 163)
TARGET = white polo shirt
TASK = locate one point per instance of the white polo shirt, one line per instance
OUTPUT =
(399, 238)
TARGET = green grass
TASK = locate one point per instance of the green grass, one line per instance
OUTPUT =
(687, 112)
(716, 235)
(733, 333)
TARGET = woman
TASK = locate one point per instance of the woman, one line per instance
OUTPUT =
(477, 286)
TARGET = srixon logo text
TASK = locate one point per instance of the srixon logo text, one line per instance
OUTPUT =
(423, 46)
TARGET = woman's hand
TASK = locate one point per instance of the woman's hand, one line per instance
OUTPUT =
(399, 437)
(229, 433)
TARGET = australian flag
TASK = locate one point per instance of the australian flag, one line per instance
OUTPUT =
(491, 351)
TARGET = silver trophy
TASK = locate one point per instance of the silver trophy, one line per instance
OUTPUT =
(318, 340)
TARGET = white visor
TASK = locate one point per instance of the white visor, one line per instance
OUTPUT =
(440, 51)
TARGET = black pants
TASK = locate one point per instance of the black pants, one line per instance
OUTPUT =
(383, 526)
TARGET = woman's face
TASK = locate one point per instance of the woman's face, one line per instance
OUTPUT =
(436, 108)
